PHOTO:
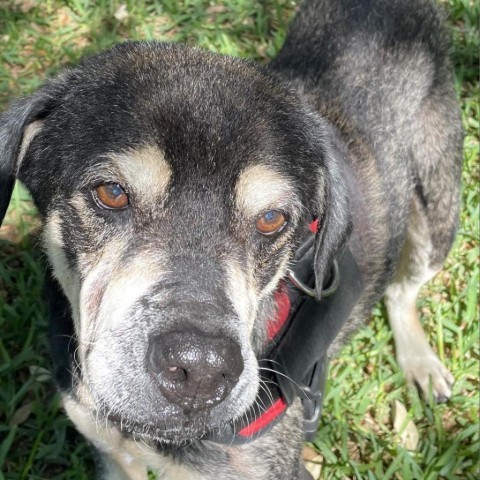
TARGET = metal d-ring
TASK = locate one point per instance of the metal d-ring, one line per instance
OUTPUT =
(334, 280)
(299, 284)
(326, 292)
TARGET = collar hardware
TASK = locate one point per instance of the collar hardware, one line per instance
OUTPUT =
(334, 280)
(299, 284)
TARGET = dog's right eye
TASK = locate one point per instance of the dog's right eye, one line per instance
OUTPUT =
(110, 196)
(271, 222)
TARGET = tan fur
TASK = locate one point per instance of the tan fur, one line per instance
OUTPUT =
(53, 245)
(108, 286)
(127, 458)
(123, 284)
(260, 188)
(272, 285)
(123, 453)
(146, 171)
(28, 135)
(242, 293)
(414, 354)
(111, 288)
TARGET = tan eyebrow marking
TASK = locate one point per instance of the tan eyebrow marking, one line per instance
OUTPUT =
(261, 187)
(146, 170)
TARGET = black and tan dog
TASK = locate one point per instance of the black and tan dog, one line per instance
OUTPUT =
(175, 186)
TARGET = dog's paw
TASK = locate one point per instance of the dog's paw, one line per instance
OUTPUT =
(426, 371)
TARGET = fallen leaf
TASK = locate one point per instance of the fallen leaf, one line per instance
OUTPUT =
(313, 461)
(25, 5)
(122, 13)
(42, 375)
(21, 414)
(404, 426)
(217, 9)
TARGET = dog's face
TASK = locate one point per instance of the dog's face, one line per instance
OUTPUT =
(174, 186)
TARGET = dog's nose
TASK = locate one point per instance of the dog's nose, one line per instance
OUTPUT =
(195, 371)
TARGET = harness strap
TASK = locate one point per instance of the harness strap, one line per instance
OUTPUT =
(302, 354)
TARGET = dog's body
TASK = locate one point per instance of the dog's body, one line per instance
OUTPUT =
(174, 186)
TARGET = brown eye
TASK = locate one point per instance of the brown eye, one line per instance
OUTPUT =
(271, 222)
(111, 196)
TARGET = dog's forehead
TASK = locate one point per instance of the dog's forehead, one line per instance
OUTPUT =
(197, 107)
(174, 96)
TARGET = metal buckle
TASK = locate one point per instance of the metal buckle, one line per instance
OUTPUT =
(326, 292)
(312, 398)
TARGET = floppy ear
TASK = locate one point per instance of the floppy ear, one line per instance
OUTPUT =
(335, 225)
(18, 127)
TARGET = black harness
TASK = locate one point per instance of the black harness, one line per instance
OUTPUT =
(295, 361)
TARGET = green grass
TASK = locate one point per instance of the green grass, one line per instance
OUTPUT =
(356, 438)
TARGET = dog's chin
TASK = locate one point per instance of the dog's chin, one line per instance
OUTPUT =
(178, 437)
(172, 431)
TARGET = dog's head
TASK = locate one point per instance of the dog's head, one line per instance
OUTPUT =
(174, 186)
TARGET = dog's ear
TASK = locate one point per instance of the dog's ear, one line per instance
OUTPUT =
(18, 126)
(335, 223)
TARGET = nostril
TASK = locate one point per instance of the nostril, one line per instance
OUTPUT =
(176, 374)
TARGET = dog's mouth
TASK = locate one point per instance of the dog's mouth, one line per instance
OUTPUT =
(184, 431)
(170, 424)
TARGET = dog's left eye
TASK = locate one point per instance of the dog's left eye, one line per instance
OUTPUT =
(270, 222)
(111, 196)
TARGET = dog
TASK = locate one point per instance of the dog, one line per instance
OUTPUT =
(175, 187)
